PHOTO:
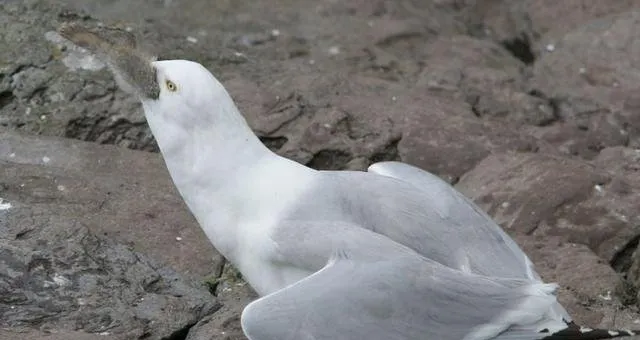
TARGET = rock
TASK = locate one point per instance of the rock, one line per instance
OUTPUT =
(534, 194)
(592, 78)
(234, 294)
(504, 22)
(480, 72)
(562, 212)
(319, 126)
(623, 165)
(487, 77)
(330, 120)
(447, 139)
(122, 194)
(574, 14)
(38, 93)
(529, 28)
(63, 335)
(61, 276)
(59, 272)
(327, 129)
(568, 264)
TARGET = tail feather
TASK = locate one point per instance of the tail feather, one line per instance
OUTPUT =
(575, 332)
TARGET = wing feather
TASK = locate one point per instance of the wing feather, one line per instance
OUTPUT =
(406, 298)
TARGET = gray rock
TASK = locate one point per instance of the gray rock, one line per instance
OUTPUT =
(61, 276)
(39, 95)
(63, 203)
(317, 126)
(446, 138)
(234, 294)
(544, 13)
(10, 334)
(123, 194)
(372, 119)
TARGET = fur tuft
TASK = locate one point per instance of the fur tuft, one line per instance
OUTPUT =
(131, 67)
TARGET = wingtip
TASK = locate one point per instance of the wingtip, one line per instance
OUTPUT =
(575, 332)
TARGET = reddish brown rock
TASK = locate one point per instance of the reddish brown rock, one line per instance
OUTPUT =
(534, 194)
(569, 264)
(592, 77)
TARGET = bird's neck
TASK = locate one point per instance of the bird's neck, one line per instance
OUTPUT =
(227, 178)
(210, 158)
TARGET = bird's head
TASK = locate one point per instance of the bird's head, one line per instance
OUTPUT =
(188, 96)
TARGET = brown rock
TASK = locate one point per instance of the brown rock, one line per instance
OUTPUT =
(592, 76)
(624, 165)
(568, 216)
(585, 279)
(445, 137)
(528, 26)
(544, 16)
(535, 194)
(486, 76)
(331, 120)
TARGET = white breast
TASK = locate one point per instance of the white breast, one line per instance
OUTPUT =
(270, 194)
(256, 261)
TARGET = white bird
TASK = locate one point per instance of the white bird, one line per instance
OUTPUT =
(391, 253)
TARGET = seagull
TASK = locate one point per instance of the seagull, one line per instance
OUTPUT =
(391, 253)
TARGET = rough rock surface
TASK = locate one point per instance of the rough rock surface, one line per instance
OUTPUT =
(576, 201)
(564, 213)
(60, 269)
(596, 93)
(535, 118)
(118, 193)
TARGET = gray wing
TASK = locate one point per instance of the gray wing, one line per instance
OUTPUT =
(462, 213)
(459, 211)
(402, 298)
(431, 220)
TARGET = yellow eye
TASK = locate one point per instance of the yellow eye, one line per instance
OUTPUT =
(171, 86)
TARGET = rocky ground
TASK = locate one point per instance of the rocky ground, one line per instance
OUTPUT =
(530, 107)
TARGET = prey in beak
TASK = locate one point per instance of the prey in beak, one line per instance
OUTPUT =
(132, 68)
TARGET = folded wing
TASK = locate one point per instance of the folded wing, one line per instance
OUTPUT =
(403, 298)
(464, 212)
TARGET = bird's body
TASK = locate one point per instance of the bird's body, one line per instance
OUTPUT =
(392, 253)
(244, 195)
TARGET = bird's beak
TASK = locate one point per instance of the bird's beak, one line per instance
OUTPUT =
(131, 67)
